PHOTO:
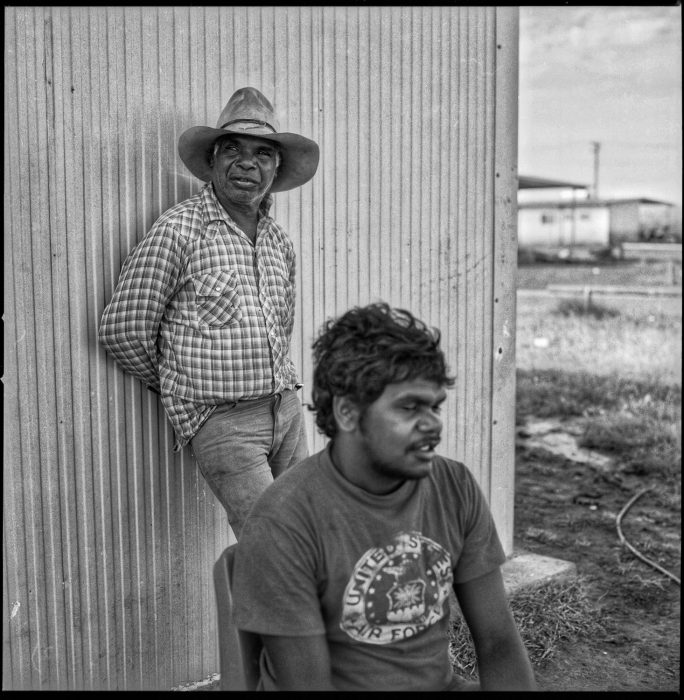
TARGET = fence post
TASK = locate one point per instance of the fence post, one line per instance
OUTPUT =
(670, 273)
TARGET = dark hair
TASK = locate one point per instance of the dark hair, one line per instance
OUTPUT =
(366, 349)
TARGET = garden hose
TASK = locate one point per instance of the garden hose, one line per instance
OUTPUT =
(624, 541)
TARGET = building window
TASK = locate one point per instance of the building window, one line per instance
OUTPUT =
(584, 216)
(547, 218)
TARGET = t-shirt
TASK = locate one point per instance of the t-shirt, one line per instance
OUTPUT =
(319, 555)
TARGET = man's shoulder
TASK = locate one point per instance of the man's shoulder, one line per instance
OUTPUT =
(293, 485)
(449, 473)
(447, 465)
(452, 488)
(309, 468)
(186, 217)
(190, 204)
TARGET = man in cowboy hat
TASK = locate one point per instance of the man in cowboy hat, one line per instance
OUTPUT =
(204, 307)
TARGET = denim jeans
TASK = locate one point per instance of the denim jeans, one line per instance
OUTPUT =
(242, 447)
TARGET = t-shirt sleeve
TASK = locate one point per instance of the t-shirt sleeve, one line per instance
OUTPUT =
(482, 550)
(274, 581)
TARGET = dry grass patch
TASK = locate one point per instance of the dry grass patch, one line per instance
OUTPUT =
(646, 446)
(546, 616)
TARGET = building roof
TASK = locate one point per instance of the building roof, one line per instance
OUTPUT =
(526, 182)
(638, 200)
(584, 203)
(564, 204)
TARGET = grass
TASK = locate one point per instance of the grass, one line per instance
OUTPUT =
(645, 446)
(622, 375)
(556, 392)
(545, 616)
(565, 336)
(638, 422)
(591, 309)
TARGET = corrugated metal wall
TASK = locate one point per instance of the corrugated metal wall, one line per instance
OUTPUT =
(109, 537)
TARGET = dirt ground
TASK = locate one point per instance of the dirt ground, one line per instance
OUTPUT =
(566, 506)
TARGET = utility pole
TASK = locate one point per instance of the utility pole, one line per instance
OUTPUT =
(597, 147)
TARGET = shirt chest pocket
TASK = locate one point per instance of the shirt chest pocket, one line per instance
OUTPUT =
(217, 298)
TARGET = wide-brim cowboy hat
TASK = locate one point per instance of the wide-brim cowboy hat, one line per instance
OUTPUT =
(249, 113)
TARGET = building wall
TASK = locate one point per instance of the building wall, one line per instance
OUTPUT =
(634, 220)
(109, 537)
(655, 221)
(624, 222)
(556, 226)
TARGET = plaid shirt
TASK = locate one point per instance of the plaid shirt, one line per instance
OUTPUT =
(202, 315)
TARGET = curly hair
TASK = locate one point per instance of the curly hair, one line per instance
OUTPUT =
(360, 353)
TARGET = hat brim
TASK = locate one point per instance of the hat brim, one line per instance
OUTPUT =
(298, 164)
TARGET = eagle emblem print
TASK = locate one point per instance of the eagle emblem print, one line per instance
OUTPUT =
(398, 590)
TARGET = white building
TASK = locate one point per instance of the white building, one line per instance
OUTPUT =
(554, 215)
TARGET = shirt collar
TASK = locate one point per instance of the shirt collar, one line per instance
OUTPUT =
(214, 211)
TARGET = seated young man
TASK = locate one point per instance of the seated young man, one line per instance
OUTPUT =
(345, 563)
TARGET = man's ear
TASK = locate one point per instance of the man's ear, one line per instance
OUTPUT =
(346, 413)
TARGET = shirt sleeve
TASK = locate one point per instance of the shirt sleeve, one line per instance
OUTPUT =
(482, 550)
(274, 582)
(130, 322)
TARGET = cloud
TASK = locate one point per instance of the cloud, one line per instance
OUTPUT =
(599, 44)
(602, 74)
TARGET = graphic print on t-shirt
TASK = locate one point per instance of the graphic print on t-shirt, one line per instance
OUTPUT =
(397, 591)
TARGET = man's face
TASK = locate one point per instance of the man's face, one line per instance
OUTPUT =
(243, 169)
(399, 431)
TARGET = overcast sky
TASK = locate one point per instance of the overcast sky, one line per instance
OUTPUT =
(610, 75)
